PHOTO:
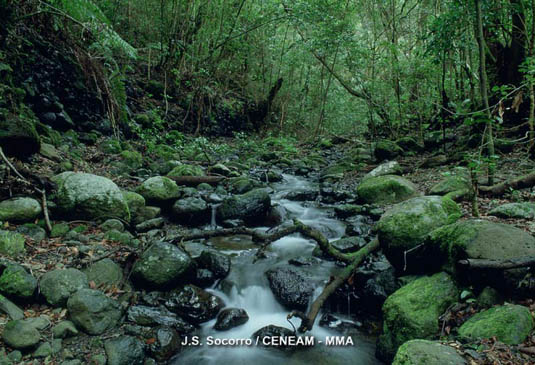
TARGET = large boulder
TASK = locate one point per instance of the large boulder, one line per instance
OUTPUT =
(152, 316)
(290, 287)
(191, 211)
(387, 189)
(387, 150)
(21, 334)
(510, 324)
(423, 352)
(229, 318)
(481, 239)
(159, 190)
(18, 136)
(162, 265)
(412, 312)
(251, 207)
(125, 350)
(11, 243)
(20, 210)
(451, 184)
(194, 304)
(92, 311)
(16, 282)
(91, 197)
(58, 285)
(515, 210)
(406, 224)
(218, 263)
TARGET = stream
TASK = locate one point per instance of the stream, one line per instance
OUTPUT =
(247, 287)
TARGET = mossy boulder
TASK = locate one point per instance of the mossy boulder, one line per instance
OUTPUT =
(104, 273)
(159, 190)
(424, 352)
(481, 239)
(161, 266)
(515, 210)
(387, 150)
(251, 207)
(133, 159)
(11, 243)
(88, 196)
(412, 312)
(20, 210)
(387, 168)
(16, 282)
(186, 170)
(406, 225)
(387, 189)
(451, 184)
(242, 185)
(58, 285)
(191, 211)
(93, 312)
(510, 324)
(20, 335)
(18, 136)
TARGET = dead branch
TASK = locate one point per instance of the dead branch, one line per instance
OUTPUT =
(498, 264)
(307, 321)
(196, 180)
(40, 191)
(525, 181)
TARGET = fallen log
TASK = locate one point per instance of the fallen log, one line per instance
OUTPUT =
(196, 180)
(522, 182)
(498, 264)
(307, 320)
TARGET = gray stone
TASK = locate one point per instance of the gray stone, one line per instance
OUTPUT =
(515, 210)
(64, 329)
(105, 273)
(16, 282)
(112, 224)
(159, 189)
(20, 335)
(251, 207)
(58, 285)
(191, 211)
(125, 350)
(20, 210)
(92, 311)
(423, 352)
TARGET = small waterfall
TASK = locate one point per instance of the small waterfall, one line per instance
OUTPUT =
(213, 223)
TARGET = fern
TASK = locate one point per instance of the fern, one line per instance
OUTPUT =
(92, 17)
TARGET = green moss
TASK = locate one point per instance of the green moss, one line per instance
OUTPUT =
(510, 324)
(133, 159)
(59, 230)
(11, 243)
(111, 146)
(186, 170)
(387, 189)
(423, 352)
(17, 282)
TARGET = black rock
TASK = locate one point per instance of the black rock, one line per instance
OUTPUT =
(217, 263)
(204, 278)
(194, 304)
(303, 195)
(151, 316)
(290, 287)
(229, 318)
(166, 343)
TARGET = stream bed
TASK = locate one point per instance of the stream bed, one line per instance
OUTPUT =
(247, 287)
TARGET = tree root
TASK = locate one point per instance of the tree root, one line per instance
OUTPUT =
(498, 264)
(525, 181)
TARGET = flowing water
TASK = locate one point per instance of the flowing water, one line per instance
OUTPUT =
(247, 287)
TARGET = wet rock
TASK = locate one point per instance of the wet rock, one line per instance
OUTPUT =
(166, 343)
(358, 226)
(412, 312)
(515, 210)
(406, 224)
(387, 168)
(302, 195)
(303, 261)
(32, 231)
(290, 287)
(153, 316)
(242, 185)
(105, 273)
(150, 224)
(336, 324)
(20, 335)
(348, 244)
(194, 304)
(92, 311)
(90, 197)
(20, 210)
(229, 318)
(159, 190)
(510, 324)
(11, 243)
(58, 285)
(125, 350)
(276, 215)
(251, 207)
(416, 352)
(348, 210)
(217, 263)
(481, 239)
(16, 282)
(272, 331)
(64, 329)
(387, 150)
(161, 266)
(191, 211)
(387, 189)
